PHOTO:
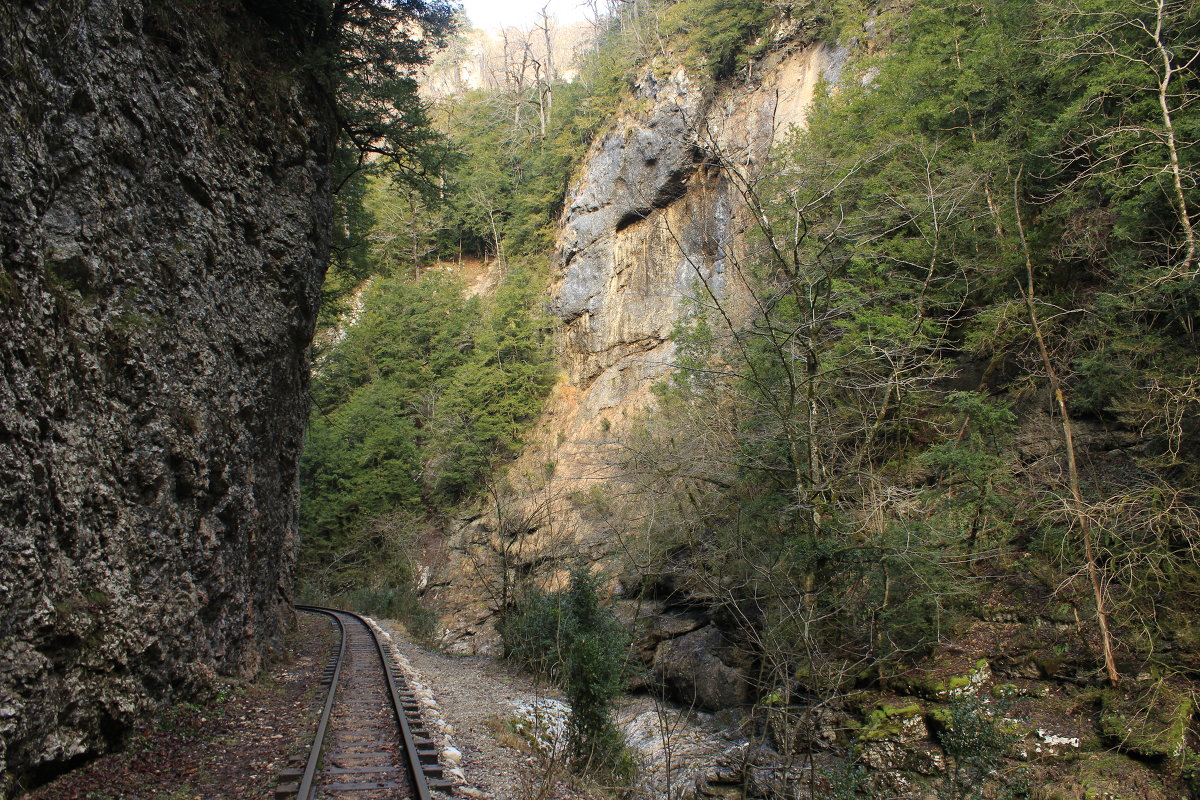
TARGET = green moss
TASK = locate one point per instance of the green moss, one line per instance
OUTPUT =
(1149, 724)
(1013, 728)
(67, 271)
(919, 685)
(1089, 697)
(957, 682)
(1186, 634)
(1110, 776)
(938, 718)
(940, 687)
(66, 606)
(1062, 613)
(98, 598)
(128, 323)
(1189, 770)
(886, 722)
(892, 712)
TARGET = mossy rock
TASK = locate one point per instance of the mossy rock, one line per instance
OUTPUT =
(1151, 723)
(1185, 634)
(942, 687)
(8, 288)
(1011, 691)
(1106, 776)
(889, 722)
(1060, 613)
(1189, 771)
(1049, 665)
(938, 718)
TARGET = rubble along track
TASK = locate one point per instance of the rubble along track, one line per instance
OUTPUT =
(370, 742)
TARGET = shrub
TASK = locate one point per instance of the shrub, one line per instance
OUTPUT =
(974, 737)
(570, 637)
(532, 633)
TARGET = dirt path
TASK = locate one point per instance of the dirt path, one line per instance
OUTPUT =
(231, 748)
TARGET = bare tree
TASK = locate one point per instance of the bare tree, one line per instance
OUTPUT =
(545, 76)
(1080, 509)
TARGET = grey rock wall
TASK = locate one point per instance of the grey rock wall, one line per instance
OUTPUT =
(164, 212)
(630, 173)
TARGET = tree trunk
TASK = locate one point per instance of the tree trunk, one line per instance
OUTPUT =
(1085, 528)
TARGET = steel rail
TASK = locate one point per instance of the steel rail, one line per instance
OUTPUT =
(416, 771)
(314, 755)
(420, 785)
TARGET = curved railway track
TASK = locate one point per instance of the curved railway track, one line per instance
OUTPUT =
(370, 742)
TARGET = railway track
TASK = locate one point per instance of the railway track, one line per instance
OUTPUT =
(370, 742)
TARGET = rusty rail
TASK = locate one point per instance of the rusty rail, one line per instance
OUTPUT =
(419, 753)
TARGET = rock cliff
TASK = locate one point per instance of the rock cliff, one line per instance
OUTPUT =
(164, 202)
(649, 221)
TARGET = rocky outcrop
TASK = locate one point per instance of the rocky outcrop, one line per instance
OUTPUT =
(650, 225)
(632, 172)
(701, 669)
(164, 206)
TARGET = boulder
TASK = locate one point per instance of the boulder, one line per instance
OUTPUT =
(651, 631)
(1149, 723)
(697, 668)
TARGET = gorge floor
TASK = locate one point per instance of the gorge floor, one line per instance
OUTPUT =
(476, 695)
(235, 746)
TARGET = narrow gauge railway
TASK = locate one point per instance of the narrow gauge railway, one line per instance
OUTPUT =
(370, 742)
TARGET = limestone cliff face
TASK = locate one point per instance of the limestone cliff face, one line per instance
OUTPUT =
(649, 221)
(164, 211)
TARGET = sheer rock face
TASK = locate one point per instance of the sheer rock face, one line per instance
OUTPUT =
(164, 210)
(649, 222)
(652, 224)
